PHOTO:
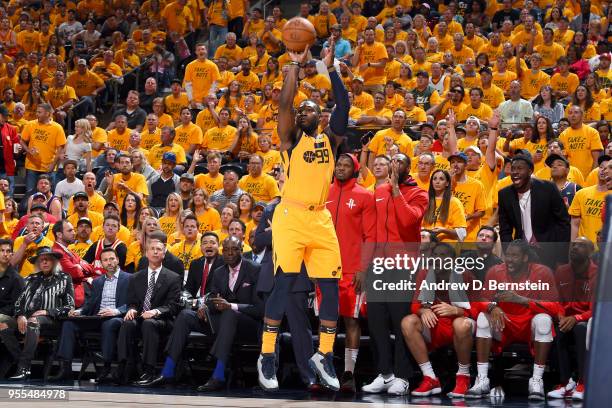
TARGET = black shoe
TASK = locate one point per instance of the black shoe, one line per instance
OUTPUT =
(145, 378)
(154, 382)
(105, 376)
(64, 373)
(347, 383)
(212, 385)
(119, 376)
(22, 374)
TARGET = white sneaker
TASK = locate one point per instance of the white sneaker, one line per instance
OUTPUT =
(266, 371)
(536, 389)
(399, 386)
(323, 366)
(578, 393)
(497, 395)
(481, 388)
(561, 391)
(378, 385)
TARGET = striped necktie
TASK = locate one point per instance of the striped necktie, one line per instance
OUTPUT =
(147, 301)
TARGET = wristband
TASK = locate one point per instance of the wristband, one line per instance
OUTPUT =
(331, 69)
(492, 128)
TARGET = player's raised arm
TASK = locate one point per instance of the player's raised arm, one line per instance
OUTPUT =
(286, 113)
(339, 118)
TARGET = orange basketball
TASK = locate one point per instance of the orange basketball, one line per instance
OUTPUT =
(298, 33)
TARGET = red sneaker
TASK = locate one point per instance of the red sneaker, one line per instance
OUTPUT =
(429, 386)
(578, 393)
(462, 384)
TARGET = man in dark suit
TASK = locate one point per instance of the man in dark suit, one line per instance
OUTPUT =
(108, 301)
(236, 310)
(297, 305)
(533, 210)
(153, 297)
(170, 260)
(200, 270)
(199, 282)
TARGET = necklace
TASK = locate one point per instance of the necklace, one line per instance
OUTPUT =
(186, 257)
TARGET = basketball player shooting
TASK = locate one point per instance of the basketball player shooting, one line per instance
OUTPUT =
(302, 228)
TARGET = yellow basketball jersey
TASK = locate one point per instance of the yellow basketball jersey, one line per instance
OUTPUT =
(309, 167)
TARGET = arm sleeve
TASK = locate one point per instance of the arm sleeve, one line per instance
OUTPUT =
(339, 118)
(410, 213)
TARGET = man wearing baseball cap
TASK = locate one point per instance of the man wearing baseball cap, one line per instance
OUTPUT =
(559, 171)
(165, 183)
(470, 192)
(82, 210)
(167, 145)
(83, 234)
(87, 85)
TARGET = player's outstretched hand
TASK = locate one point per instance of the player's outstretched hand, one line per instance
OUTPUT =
(299, 57)
(331, 51)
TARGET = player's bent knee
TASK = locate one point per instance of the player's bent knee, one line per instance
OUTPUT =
(411, 324)
(542, 328)
(463, 327)
(483, 326)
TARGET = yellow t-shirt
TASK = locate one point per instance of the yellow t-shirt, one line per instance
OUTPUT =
(149, 139)
(134, 253)
(574, 175)
(562, 83)
(502, 80)
(188, 135)
(177, 17)
(119, 141)
(593, 114)
(483, 112)
(263, 188)
(99, 135)
(124, 235)
(209, 184)
(26, 268)
(588, 204)
(201, 74)
(96, 204)
(579, 145)
(248, 83)
(219, 138)
(550, 54)
(373, 53)
(46, 138)
(416, 114)
(157, 151)
(59, 96)
(95, 218)
(364, 101)
(472, 195)
(80, 248)
(174, 105)
(493, 96)
(84, 85)
(136, 182)
(205, 120)
(187, 252)
(532, 82)
(271, 158)
(378, 146)
(456, 218)
(592, 178)
(168, 224)
(210, 220)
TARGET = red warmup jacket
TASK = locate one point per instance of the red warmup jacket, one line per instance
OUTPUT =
(354, 214)
(576, 295)
(78, 269)
(542, 301)
(9, 138)
(398, 219)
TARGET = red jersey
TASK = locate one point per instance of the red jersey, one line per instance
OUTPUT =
(576, 294)
(354, 214)
(399, 218)
(542, 300)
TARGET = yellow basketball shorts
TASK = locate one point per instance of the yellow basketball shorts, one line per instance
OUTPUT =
(300, 235)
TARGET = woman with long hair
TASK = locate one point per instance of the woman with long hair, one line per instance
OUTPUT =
(145, 212)
(390, 36)
(11, 218)
(137, 248)
(538, 143)
(554, 18)
(406, 80)
(246, 202)
(482, 61)
(177, 236)
(78, 146)
(174, 206)
(272, 73)
(582, 97)
(228, 213)
(208, 218)
(34, 97)
(232, 97)
(445, 215)
(54, 47)
(245, 141)
(130, 211)
(581, 42)
(545, 104)
(401, 53)
(251, 108)
(24, 83)
(593, 84)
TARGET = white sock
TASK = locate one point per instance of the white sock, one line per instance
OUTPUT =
(464, 369)
(427, 369)
(387, 376)
(350, 358)
(483, 369)
(538, 371)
